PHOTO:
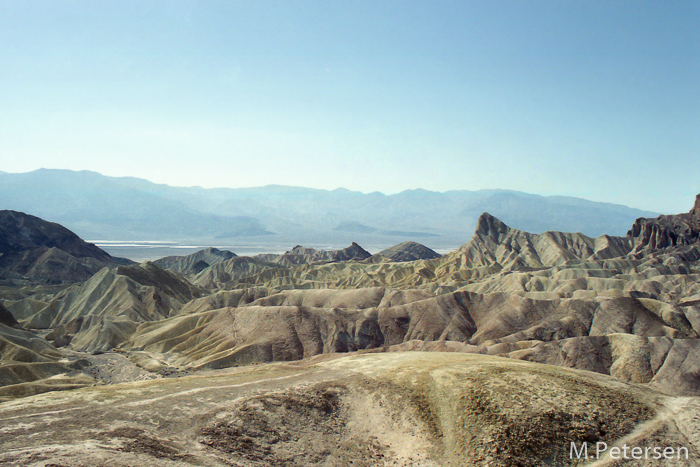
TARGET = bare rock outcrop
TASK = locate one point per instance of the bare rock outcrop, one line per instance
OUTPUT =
(624, 337)
(557, 298)
(226, 273)
(667, 231)
(408, 251)
(496, 245)
(302, 255)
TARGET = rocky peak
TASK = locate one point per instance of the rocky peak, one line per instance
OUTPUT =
(667, 231)
(695, 212)
(357, 251)
(408, 251)
(303, 255)
(490, 227)
(21, 232)
(33, 250)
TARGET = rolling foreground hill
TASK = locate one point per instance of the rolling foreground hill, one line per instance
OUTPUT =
(502, 352)
(389, 409)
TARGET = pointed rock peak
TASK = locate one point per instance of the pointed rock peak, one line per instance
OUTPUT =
(695, 212)
(357, 250)
(216, 252)
(301, 250)
(489, 225)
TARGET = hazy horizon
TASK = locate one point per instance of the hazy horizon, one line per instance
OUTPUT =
(340, 188)
(596, 100)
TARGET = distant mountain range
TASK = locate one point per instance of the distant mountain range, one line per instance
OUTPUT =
(109, 208)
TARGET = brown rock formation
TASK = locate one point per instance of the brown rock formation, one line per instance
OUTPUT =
(408, 251)
(6, 317)
(667, 231)
(302, 255)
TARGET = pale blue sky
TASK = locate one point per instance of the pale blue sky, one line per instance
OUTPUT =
(597, 99)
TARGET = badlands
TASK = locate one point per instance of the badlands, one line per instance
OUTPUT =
(516, 349)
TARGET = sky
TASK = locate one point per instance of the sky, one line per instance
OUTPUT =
(595, 99)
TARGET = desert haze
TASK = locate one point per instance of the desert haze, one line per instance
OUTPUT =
(507, 351)
(125, 208)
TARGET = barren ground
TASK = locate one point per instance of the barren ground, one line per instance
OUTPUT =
(388, 409)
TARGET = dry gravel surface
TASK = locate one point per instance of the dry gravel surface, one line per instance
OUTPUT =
(371, 409)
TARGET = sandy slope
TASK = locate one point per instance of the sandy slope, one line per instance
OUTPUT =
(390, 409)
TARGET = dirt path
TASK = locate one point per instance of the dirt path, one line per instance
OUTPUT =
(174, 408)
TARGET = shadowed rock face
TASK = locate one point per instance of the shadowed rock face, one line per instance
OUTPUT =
(172, 284)
(667, 231)
(20, 232)
(6, 317)
(408, 251)
(35, 250)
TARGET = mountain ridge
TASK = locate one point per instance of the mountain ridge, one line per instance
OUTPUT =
(667, 230)
(32, 249)
(86, 202)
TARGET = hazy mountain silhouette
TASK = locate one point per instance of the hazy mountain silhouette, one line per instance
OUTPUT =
(100, 207)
